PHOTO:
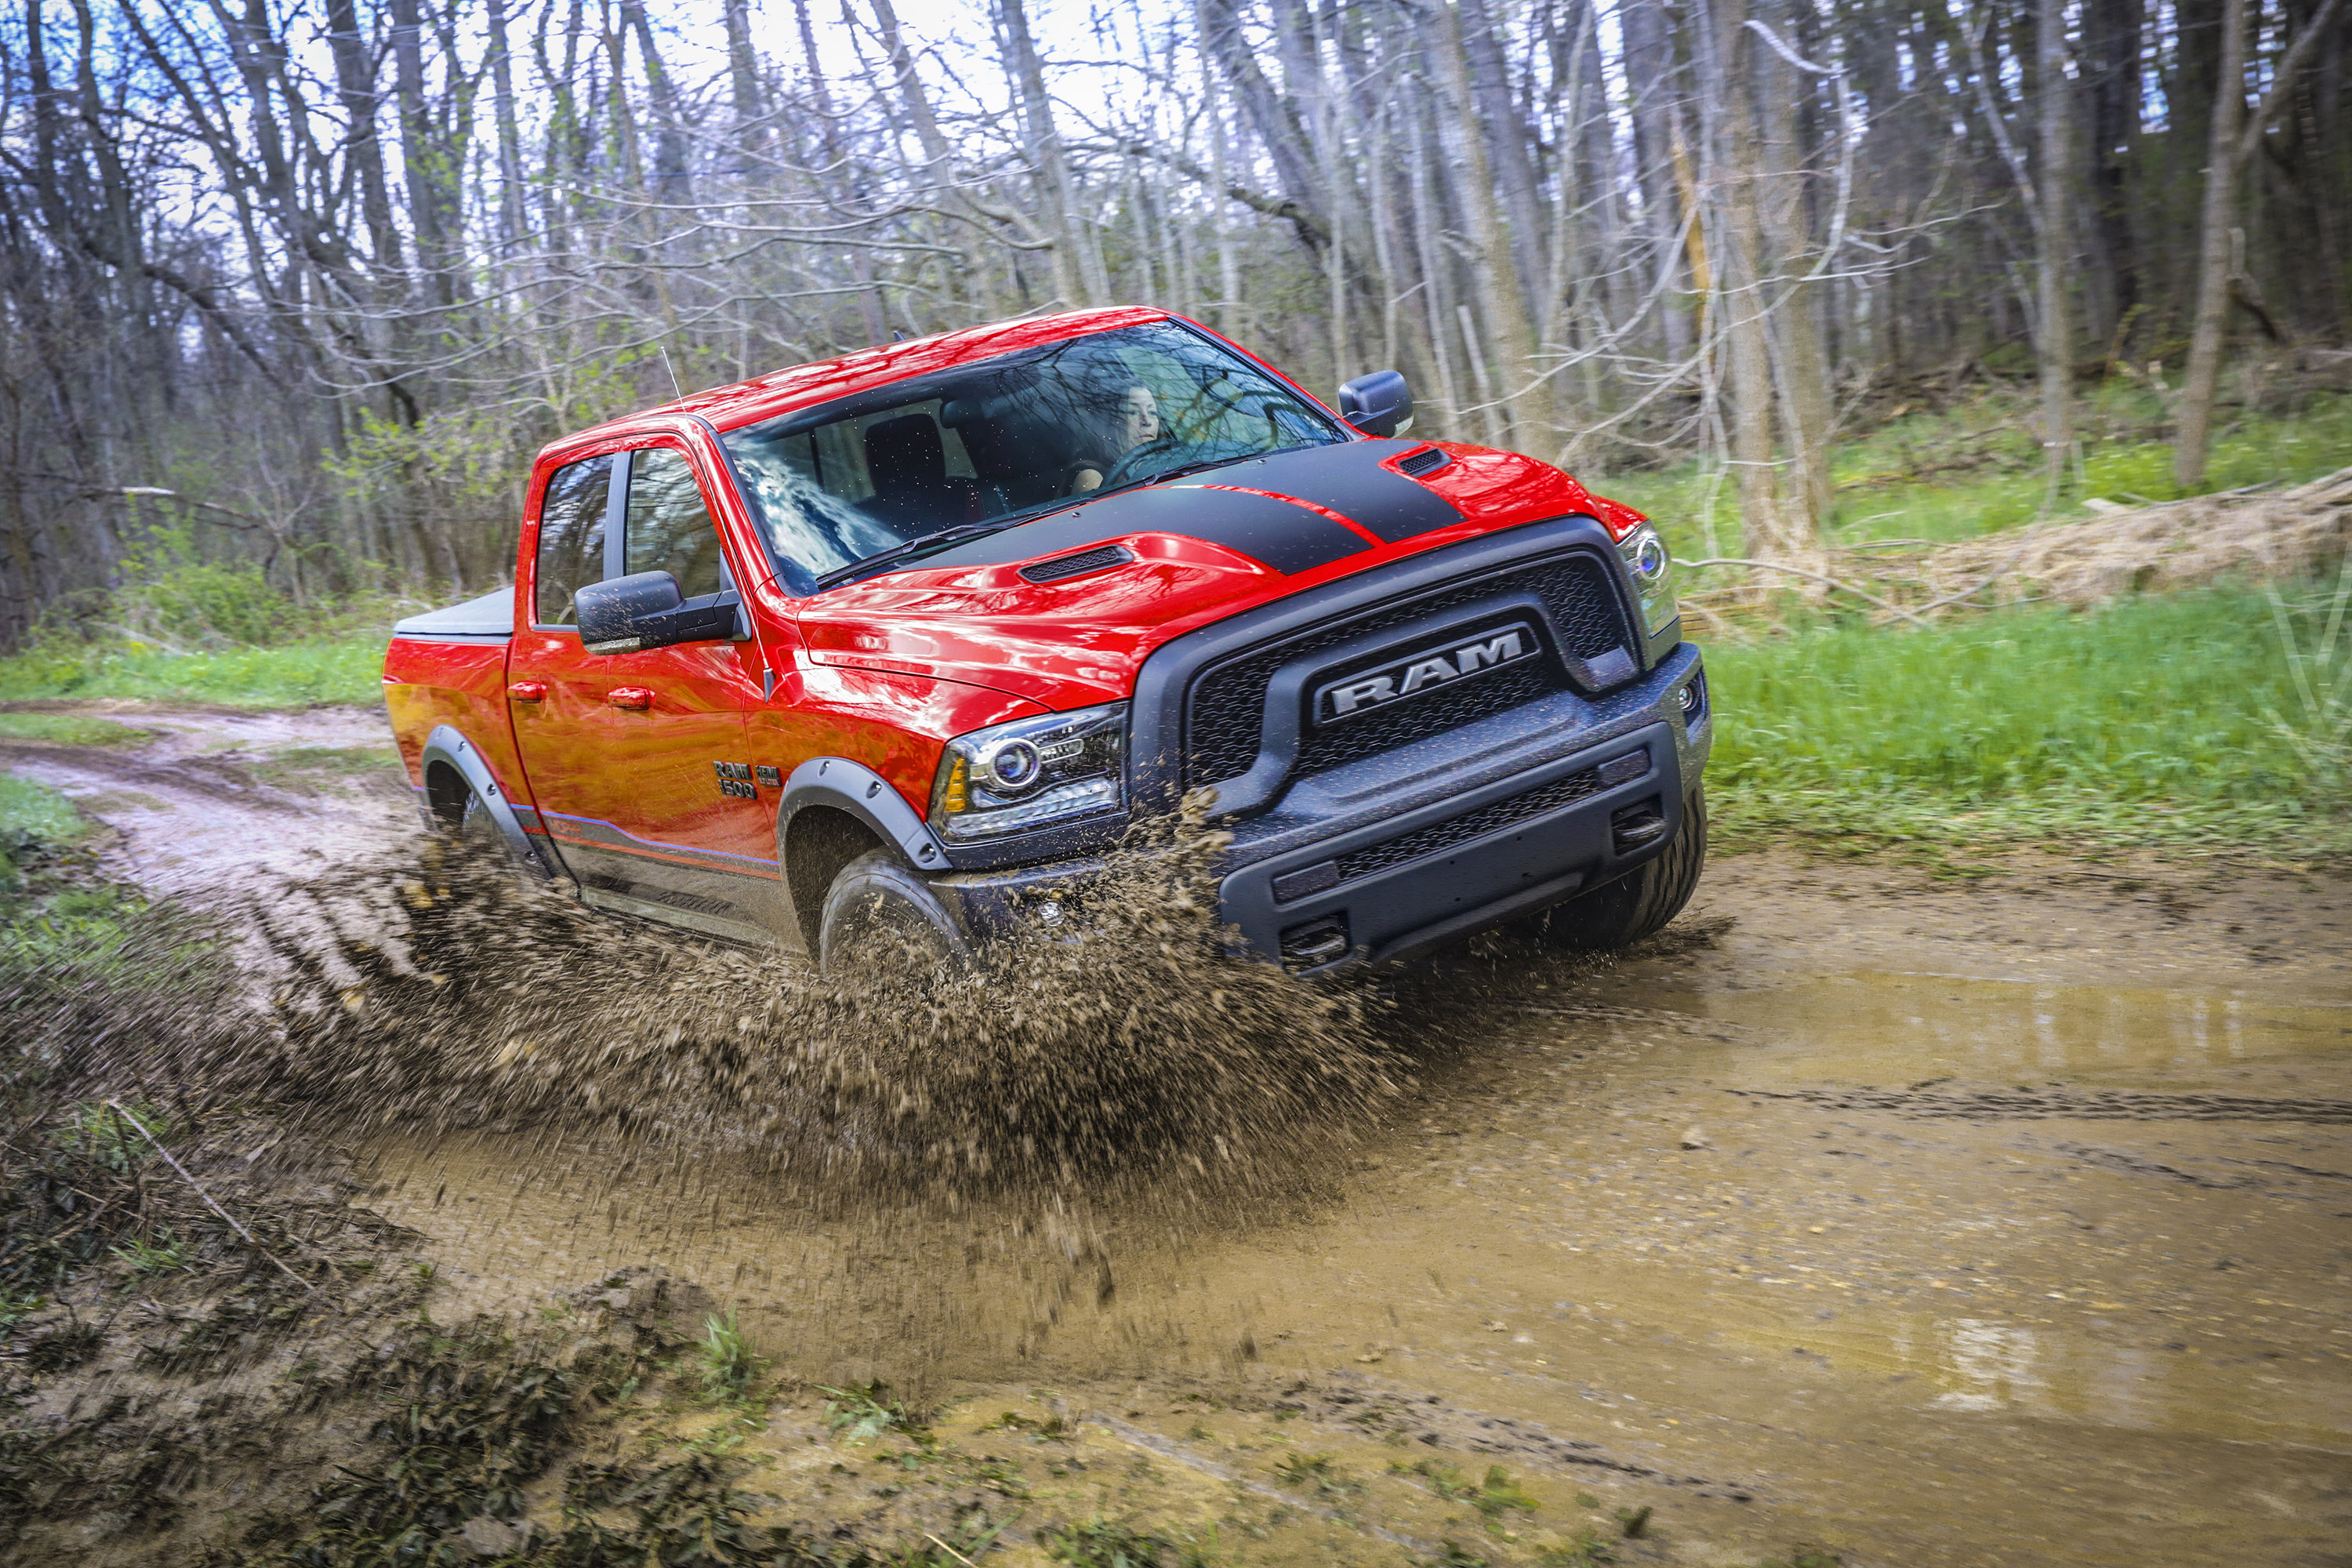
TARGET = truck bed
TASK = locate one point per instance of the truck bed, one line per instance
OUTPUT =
(450, 667)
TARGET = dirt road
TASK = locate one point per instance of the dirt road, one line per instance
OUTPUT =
(1985, 1222)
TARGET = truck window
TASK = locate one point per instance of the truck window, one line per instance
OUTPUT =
(1002, 439)
(571, 537)
(668, 528)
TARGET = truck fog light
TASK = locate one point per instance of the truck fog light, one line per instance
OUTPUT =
(1031, 773)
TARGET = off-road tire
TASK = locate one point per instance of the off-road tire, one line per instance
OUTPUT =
(477, 831)
(881, 915)
(1636, 904)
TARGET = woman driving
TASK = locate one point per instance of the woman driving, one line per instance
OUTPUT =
(1140, 426)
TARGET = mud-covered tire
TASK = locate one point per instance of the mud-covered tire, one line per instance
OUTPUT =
(477, 831)
(1637, 904)
(881, 916)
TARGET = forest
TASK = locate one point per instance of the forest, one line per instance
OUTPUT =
(294, 287)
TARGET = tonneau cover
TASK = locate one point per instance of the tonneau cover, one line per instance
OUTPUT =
(490, 618)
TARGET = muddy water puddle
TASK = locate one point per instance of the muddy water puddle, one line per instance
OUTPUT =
(1936, 1268)
(1884, 1028)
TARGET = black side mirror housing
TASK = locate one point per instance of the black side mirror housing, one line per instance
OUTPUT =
(1380, 403)
(642, 610)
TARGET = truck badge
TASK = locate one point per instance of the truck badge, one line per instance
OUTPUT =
(1422, 671)
(735, 779)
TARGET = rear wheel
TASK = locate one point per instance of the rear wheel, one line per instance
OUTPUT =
(1637, 904)
(881, 917)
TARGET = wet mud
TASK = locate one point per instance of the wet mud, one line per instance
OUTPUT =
(197, 800)
(1940, 1223)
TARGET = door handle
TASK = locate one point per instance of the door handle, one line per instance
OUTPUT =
(630, 697)
(528, 690)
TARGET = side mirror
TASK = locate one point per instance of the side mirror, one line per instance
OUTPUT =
(1380, 403)
(626, 615)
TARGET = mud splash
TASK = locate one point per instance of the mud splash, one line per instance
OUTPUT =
(431, 998)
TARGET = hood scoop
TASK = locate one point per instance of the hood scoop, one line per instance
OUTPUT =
(1099, 559)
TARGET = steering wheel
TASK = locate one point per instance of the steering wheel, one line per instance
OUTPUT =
(1124, 471)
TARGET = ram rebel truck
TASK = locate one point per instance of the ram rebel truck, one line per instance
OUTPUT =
(897, 646)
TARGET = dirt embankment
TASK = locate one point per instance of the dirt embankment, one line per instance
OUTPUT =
(1931, 1223)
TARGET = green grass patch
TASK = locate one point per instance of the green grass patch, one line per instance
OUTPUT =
(345, 669)
(728, 1363)
(31, 817)
(2160, 721)
(68, 730)
(1975, 467)
(60, 925)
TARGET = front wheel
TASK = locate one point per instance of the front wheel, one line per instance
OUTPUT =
(880, 918)
(1636, 904)
(477, 831)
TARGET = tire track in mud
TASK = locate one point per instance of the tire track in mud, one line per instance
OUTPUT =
(2103, 1105)
(210, 778)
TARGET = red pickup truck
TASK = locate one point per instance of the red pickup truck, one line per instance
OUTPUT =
(899, 645)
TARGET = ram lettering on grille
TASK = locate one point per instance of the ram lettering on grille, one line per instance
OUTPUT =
(1419, 672)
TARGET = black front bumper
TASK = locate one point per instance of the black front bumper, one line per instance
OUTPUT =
(1405, 884)
(1447, 831)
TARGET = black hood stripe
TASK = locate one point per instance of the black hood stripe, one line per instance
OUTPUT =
(1284, 535)
(1349, 479)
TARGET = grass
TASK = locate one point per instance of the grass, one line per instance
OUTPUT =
(67, 730)
(1975, 468)
(30, 818)
(345, 669)
(166, 1254)
(1493, 1497)
(1588, 1548)
(2171, 721)
(728, 1364)
(1107, 1543)
(865, 1411)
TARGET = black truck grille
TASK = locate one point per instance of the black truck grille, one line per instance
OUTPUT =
(1490, 818)
(1225, 717)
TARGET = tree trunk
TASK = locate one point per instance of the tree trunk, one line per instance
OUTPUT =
(1795, 329)
(1077, 269)
(2112, 32)
(861, 262)
(1525, 388)
(2055, 260)
(2236, 138)
(421, 161)
(743, 78)
(1769, 530)
(1507, 128)
(510, 203)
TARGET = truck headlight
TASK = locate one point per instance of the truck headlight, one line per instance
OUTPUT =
(1031, 772)
(1645, 556)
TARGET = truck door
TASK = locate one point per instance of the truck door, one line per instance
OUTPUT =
(631, 757)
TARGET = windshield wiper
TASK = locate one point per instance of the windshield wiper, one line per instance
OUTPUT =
(927, 544)
(1179, 471)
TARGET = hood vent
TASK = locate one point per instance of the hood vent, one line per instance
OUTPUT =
(1428, 460)
(1100, 558)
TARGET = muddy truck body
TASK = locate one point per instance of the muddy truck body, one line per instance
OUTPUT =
(903, 643)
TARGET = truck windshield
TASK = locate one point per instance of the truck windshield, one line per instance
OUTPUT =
(990, 442)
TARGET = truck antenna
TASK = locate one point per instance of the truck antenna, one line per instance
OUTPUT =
(672, 369)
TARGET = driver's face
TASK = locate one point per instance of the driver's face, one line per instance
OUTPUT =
(1142, 411)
